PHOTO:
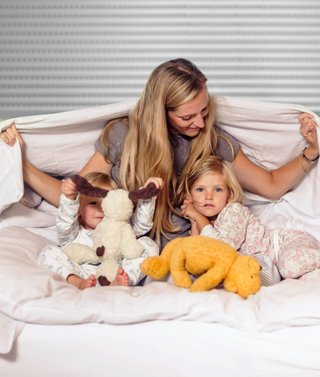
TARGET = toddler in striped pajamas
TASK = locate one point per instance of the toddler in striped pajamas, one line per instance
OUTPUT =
(211, 199)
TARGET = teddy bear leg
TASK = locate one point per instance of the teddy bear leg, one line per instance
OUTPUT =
(109, 269)
(103, 281)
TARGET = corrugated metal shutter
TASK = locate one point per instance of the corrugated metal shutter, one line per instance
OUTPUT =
(66, 54)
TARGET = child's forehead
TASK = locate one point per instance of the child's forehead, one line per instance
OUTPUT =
(84, 199)
(210, 177)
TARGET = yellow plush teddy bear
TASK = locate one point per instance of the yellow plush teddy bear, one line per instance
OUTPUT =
(211, 261)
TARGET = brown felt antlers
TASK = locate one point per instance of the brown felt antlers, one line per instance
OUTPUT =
(85, 188)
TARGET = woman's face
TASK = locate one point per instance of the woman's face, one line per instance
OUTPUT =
(188, 119)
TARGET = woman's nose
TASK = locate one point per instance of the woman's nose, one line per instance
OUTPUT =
(198, 121)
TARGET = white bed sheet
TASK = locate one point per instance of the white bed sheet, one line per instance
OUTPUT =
(162, 348)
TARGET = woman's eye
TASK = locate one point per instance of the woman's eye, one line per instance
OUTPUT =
(186, 118)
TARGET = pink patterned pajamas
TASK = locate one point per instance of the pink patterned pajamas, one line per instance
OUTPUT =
(292, 253)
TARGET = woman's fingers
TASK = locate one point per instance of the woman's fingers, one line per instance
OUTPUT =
(10, 135)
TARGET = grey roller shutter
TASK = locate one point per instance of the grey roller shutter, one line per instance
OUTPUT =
(66, 54)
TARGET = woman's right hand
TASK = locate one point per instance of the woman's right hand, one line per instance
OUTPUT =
(11, 135)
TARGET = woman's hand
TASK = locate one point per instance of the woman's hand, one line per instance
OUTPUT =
(11, 135)
(308, 130)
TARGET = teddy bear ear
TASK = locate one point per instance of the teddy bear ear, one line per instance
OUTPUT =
(254, 265)
(86, 188)
(145, 193)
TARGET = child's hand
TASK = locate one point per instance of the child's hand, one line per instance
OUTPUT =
(308, 130)
(68, 188)
(198, 221)
(156, 180)
(11, 135)
(188, 211)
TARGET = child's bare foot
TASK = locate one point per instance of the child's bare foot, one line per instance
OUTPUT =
(80, 283)
(122, 278)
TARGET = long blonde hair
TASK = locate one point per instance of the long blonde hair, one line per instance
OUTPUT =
(212, 164)
(148, 150)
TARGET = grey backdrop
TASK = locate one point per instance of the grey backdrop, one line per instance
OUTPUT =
(66, 54)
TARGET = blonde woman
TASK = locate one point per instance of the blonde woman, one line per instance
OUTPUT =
(211, 199)
(171, 127)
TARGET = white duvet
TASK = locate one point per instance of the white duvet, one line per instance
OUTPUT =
(269, 134)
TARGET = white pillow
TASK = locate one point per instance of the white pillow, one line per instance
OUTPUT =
(11, 182)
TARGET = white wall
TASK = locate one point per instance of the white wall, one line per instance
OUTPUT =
(65, 54)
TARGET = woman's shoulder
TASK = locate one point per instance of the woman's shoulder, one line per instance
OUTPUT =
(228, 146)
(111, 141)
(117, 130)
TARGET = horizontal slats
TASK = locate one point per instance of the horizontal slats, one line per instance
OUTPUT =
(61, 55)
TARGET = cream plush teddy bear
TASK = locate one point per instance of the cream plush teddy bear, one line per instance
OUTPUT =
(114, 237)
(211, 261)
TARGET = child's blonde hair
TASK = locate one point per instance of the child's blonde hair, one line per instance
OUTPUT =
(101, 180)
(212, 164)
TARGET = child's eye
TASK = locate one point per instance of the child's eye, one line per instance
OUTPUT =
(93, 203)
(199, 189)
(219, 189)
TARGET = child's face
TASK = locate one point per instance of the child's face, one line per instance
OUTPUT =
(90, 212)
(209, 194)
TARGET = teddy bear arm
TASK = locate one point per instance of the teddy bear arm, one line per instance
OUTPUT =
(179, 274)
(80, 253)
(209, 279)
(129, 246)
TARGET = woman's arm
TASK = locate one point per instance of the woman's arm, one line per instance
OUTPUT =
(43, 184)
(49, 187)
(96, 163)
(273, 184)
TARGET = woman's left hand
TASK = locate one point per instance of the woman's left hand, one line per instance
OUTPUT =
(308, 130)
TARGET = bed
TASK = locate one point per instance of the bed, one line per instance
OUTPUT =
(49, 328)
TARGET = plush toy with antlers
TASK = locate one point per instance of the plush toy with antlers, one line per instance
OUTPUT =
(114, 237)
